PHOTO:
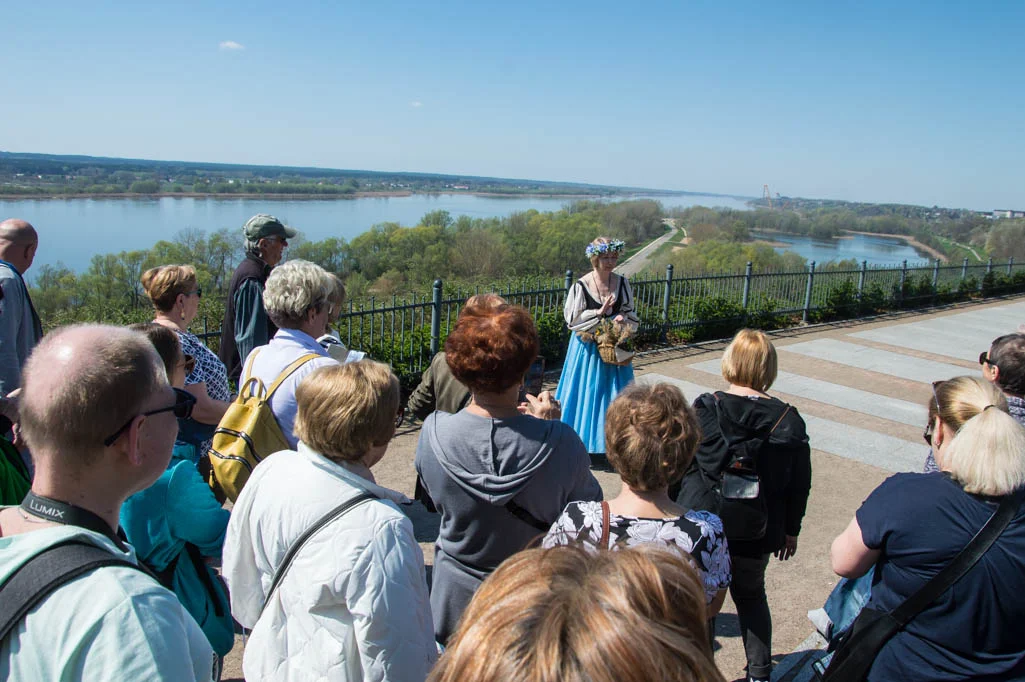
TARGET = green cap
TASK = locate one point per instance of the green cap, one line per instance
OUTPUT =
(262, 225)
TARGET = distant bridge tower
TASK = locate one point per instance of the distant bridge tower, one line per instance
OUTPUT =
(766, 195)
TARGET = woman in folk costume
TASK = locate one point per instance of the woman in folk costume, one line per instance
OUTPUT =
(589, 384)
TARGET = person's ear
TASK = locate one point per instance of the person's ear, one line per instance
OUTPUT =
(130, 442)
(938, 436)
(995, 371)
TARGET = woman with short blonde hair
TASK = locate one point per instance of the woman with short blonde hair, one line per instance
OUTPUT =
(175, 293)
(750, 360)
(913, 525)
(565, 614)
(359, 582)
(762, 443)
(345, 430)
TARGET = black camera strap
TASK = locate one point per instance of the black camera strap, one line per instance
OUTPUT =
(69, 515)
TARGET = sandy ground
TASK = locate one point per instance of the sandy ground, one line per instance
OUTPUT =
(839, 483)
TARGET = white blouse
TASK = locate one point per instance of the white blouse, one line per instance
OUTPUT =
(581, 319)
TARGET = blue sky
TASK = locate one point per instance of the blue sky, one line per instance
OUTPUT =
(910, 102)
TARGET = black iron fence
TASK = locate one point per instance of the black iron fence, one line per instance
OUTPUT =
(674, 310)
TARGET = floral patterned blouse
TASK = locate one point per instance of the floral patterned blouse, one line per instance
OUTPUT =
(698, 535)
(209, 367)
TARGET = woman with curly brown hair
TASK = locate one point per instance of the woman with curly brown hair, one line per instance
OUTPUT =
(498, 477)
(565, 614)
(651, 433)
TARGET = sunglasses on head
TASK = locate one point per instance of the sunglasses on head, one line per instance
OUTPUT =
(927, 434)
(984, 359)
(182, 409)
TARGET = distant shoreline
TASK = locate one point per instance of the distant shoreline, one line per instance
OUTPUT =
(311, 197)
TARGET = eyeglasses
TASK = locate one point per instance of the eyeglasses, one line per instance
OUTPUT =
(182, 408)
(984, 359)
(188, 363)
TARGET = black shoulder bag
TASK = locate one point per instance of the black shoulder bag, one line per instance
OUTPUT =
(41, 575)
(872, 629)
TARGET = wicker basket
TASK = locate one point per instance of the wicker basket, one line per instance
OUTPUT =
(611, 355)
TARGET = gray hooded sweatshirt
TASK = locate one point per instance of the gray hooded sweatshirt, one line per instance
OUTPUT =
(473, 467)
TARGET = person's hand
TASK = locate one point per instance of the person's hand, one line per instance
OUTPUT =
(788, 549)
(618, 319)
(606, 305)
(544, 406)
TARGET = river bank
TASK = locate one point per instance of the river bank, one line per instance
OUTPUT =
(912, 242)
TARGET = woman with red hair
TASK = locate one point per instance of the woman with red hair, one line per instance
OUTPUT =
(498, 474)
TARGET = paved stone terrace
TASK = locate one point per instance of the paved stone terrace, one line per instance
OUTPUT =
(862, 388)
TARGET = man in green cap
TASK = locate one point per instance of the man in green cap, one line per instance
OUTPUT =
(246, 324)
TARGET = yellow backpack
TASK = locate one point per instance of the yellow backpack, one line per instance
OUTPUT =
(248, 431)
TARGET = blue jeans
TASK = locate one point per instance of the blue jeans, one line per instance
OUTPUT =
(846, 601)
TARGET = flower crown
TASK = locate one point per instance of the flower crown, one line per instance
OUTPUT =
(614, 246)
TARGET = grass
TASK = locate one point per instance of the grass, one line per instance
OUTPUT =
(952, 248)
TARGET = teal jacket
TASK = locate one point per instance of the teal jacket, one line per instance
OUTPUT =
(178, 508)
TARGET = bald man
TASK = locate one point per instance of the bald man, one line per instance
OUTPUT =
(99, 415)
(20, 329)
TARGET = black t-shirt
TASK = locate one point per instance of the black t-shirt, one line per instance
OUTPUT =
(976, 629)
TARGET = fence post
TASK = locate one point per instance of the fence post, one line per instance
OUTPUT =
(436, 318)
(964, 269)
(989, 269)
(935, 275)
(1010, 265)
(861, 278)
(903, 279)
(807, 292)
(747, 285)
(667, 295)
(569, 280)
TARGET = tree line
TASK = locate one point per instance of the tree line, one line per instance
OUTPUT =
(387, 260)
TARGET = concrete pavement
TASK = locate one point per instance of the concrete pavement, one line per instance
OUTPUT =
(861, 386)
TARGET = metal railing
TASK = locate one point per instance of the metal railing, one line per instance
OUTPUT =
(408, 332)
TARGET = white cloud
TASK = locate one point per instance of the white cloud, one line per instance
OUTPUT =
(231, 45)
(416, 104)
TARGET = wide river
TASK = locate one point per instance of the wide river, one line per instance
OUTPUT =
(72, 231)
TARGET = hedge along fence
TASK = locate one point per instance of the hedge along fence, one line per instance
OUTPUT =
(676, 310)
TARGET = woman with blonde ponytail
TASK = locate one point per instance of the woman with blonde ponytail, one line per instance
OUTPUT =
(913, 525)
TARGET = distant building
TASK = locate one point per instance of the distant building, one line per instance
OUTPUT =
(1007, 213)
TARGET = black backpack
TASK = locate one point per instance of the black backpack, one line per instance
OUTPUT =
(733, 490)
(38, 577)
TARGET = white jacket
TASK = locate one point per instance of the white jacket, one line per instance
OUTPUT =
(354, 604)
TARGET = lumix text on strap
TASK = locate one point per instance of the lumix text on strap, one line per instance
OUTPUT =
(70, 515)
